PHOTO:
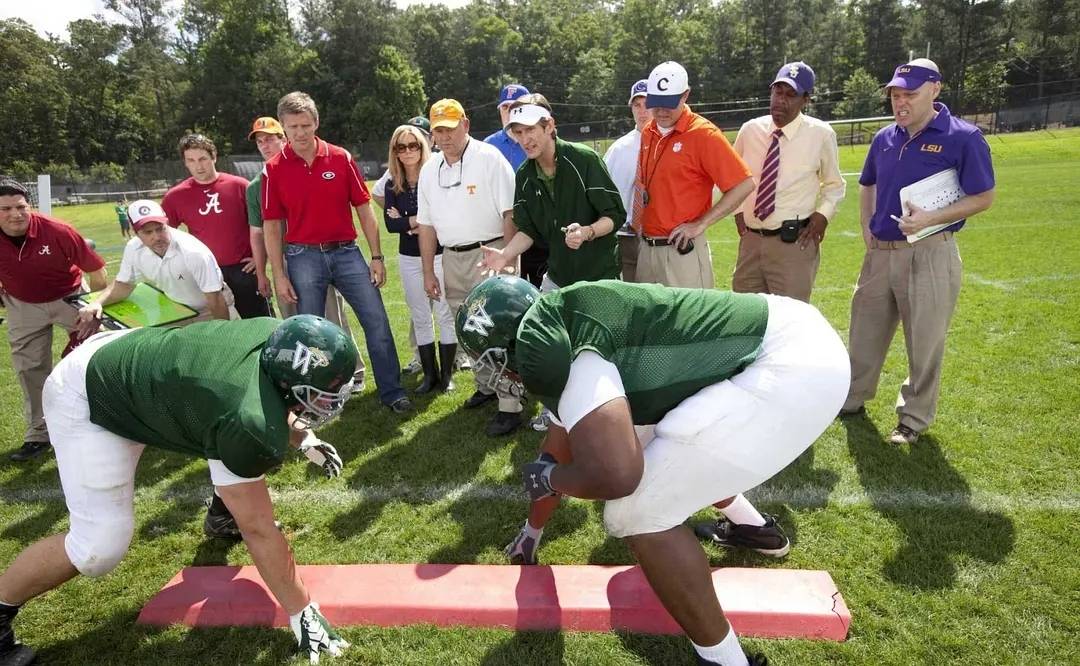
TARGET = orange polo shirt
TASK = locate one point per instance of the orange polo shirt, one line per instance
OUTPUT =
(678, 171)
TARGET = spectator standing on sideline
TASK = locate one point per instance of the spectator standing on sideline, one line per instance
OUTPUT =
(796, 167)
(42, 260)
(465, 200)
(316, 186)
(534, 259)
(269, 138)
(213, 207)
(122, 218)
(621, 159)
(916, 284)
(409, 151)
(683, 156)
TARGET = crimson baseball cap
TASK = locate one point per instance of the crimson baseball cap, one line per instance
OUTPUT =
(914, 74)
(145, 211)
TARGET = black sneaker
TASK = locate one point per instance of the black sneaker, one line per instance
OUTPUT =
(768, 539)
(401, 406)
(503, 423)
(12, 652)
(30, 450)
(219, 525)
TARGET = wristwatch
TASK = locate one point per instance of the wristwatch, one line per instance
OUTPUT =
(376, 257)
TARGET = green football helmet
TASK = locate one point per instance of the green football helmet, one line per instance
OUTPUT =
(487, 324)
(310, 362)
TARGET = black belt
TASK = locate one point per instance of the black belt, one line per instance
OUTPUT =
(776, 231)
(470, 246)
(656, 242)
(325, 247)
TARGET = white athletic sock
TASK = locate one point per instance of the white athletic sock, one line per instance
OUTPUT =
(532, 532)
(727, 652)
(742, 512)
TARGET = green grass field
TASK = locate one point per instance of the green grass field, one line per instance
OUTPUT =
(959, 550)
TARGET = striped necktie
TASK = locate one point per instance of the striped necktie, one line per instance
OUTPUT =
(765, 203)
(637, 202)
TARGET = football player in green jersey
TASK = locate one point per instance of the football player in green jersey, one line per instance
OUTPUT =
(239, 394)
(665, 401)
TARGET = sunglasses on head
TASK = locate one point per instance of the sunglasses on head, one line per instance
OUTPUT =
(413, 147)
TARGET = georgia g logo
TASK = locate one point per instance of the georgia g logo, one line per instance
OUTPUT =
(478, 321)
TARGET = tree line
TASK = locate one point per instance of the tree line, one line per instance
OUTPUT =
(123, 90)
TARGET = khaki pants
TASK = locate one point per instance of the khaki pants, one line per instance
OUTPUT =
(768, 265)
(664, 265)
(460, 274)
(917, 285)
(335, 313)
(628, 250)
(30, 334)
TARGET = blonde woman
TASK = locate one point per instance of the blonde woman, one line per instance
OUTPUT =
(409, 151)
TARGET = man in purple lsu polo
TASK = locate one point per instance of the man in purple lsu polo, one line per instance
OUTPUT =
(916, 283)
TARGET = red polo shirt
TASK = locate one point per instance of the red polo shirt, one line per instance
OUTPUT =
(215, 213)
(50, 263)
(318, 199)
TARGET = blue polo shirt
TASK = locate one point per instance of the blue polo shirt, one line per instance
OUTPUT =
(508, 147)
(897, 160)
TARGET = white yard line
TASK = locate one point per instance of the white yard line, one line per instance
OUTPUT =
(801, 497)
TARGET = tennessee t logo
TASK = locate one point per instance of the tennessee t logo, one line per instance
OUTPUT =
(211, 204)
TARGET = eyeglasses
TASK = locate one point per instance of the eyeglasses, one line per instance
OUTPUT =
(450, 170)
(407, 147)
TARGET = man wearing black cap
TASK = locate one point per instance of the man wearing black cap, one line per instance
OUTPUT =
(795, 164)
(911, 273)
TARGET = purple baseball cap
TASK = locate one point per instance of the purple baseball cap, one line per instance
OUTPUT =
(914, 74)
(639, 89)
(510, 92)
(798, 75)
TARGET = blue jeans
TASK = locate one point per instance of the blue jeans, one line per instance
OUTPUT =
(312, 272)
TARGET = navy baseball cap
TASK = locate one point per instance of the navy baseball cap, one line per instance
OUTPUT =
(639, 89)
(914, 74)
(510, 92)
(798, 75)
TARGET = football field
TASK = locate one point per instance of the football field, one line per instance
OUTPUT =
(962, 549)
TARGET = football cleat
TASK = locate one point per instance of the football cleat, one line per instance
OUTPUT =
(767, 539)
(12, 652)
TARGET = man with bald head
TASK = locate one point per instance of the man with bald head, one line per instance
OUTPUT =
(916, 284)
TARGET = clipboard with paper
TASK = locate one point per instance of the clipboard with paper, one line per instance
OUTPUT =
(932, 193)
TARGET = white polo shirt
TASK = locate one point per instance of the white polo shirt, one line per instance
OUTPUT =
(621, 159)
(809, 179)
(471, 211)
(186, 272)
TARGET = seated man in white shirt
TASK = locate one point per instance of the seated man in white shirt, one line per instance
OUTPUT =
(174, 261)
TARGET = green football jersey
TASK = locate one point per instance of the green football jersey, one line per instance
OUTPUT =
(196, 390)
(666, 343)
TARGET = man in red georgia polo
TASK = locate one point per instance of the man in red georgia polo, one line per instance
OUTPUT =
(42, 260)
(316, 186)
(213, 205)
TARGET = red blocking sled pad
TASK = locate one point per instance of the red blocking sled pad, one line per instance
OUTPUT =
(775, 603)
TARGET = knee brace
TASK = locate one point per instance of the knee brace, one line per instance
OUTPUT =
(98, 552)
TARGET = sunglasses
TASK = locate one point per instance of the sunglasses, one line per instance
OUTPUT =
(407, 147)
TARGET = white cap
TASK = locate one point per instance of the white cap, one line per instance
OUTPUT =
(527, 114)
(143, 211)
(667, 82)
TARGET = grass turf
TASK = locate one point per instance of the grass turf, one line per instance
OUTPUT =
(960, 550)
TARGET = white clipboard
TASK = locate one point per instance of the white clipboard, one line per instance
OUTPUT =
(932, 193)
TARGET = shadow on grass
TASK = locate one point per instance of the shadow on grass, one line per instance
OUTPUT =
(930, 503)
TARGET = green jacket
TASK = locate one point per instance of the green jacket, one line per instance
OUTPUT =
(583, 193)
